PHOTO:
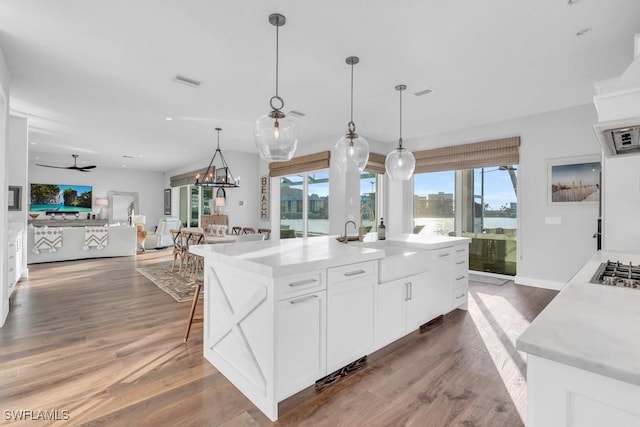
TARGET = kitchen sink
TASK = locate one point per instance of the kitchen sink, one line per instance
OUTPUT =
(401, 259)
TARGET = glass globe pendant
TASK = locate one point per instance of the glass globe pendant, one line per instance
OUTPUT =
(352, 150)
(400, 163)
(276, 136)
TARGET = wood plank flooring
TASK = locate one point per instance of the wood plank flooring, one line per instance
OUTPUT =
(98, 340)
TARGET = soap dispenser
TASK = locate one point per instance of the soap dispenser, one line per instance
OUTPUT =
(381, 230)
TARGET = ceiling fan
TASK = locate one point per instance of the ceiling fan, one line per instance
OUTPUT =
(74, 167)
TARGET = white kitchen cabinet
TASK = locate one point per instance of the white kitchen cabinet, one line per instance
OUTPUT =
(440, 284)
(301, 342)
(401, 307)
(14, 261)
(461, 277)
(350, 291)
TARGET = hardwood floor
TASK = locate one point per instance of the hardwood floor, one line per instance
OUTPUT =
(100, 344)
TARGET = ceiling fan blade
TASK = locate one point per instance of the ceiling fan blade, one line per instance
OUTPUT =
(56, 167)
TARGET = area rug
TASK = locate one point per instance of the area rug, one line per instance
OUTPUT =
(488, 279)
(180, 288)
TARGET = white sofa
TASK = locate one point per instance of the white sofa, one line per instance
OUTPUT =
(161, 238)
(121, 242)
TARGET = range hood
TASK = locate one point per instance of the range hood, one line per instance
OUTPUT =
(618, 107)
(619, 137)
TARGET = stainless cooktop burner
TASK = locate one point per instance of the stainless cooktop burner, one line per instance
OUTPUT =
(614, 273)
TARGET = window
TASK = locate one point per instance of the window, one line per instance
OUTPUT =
(434, 203)
(304, 204)
(369, 200)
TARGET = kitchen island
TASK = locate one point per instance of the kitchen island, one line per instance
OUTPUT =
(280, 315)
(583, 365)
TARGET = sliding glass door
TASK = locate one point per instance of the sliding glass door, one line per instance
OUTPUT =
(487, 203)
(304, 204)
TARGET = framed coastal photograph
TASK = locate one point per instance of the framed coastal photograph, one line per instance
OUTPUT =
(574, 181)
(167, 201)
(15, 196)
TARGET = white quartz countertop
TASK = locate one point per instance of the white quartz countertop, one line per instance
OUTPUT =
(425, 241)
(291, 256)
(590, 326)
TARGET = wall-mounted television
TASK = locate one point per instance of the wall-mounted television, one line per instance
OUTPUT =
(60, 198)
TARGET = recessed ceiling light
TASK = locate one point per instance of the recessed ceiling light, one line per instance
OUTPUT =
(127, 157)
(583, 31)
(570, 2)
(168, 118)
(427, 91)
(33, 143)
(124, 166)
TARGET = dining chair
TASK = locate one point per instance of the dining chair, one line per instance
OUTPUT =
(236, 230)
(194, 263)
(249, 238)
(266, 232)
(248, 230)
(178, 248)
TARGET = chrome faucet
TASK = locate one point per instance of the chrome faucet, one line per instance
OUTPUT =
(346, 239)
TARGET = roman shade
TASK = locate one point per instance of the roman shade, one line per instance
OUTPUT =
(495, 152)
(188, 178)
(375, 163)
(300, 164)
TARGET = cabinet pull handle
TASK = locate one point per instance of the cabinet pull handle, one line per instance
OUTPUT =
(406, 291)
(460, 262)
(460, 278)
(302, 282)
(354, 273)
(459, 296)
(443, 255)
(410, 291)
(303, 299)
(461, 250)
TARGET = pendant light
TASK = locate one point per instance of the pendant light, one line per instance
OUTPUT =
(352, 150)
(218, 176)
(400, 163)
(276, 135)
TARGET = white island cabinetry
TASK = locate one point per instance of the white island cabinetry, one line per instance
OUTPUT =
(350, 313)
(401, 307)
(301, 331)
(280, 315)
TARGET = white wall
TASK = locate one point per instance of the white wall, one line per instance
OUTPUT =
(18, 151)
(4, 118)
(148, 185)
(242, 205)
(548, 255)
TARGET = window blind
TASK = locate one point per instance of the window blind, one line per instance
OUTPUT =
(300, 164)
(375, 164)
(495, 152)
(188, 178)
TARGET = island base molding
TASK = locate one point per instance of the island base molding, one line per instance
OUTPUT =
(559, 395)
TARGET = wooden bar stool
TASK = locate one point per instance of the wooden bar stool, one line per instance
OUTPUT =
(196, 297)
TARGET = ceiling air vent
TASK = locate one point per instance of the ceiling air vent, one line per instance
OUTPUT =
(187, 81)
(295, 113)
(426, 91)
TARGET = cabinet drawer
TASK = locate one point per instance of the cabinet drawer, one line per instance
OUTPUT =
(299, 284)
(460, 296)
(460, 278)
(461, 252)
(461, 263)
(346, 273)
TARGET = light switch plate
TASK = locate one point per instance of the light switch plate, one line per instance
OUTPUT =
(553, 220)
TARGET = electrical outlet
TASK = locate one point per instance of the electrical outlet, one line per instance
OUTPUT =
(553, 220)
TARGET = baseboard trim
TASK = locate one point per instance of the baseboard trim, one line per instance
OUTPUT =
(538, 283)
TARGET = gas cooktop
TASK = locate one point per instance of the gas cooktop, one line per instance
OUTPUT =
(615, 273)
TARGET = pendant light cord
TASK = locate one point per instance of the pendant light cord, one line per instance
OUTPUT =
(351, 92)
(277, 51)
(400, 140)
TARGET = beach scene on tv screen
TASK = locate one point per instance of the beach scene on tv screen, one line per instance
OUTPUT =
(60, 198)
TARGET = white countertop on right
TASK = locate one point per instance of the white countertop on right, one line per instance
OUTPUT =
(591, 326)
